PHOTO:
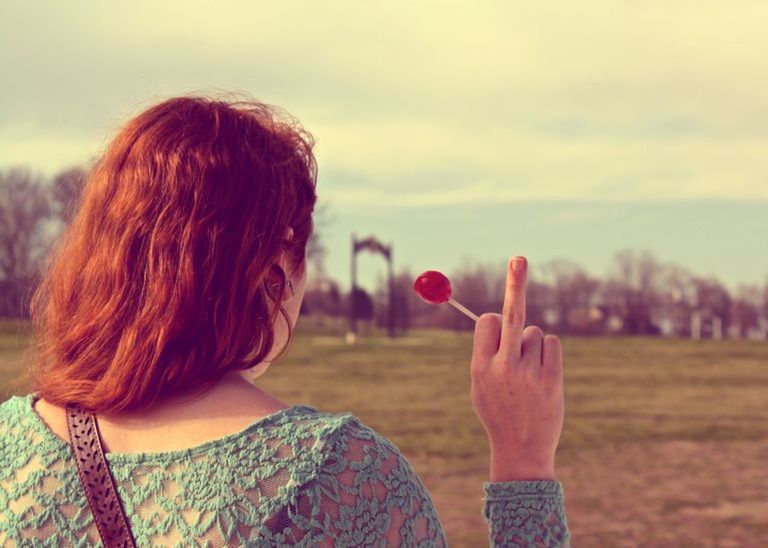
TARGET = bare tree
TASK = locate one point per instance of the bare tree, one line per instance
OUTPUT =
(475, 287)
(66, 193)
(316, 249)
(632, 290)
(745, 309)
(677, 300)
(572, 291)
(713, 300)
(540, 304)
(407, 304)
(323, 299)
(765, 299)
(538, 294)
(24, 206)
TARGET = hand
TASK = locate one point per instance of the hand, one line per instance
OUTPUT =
(517, 386)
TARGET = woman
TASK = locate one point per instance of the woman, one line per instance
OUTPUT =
(163, 301)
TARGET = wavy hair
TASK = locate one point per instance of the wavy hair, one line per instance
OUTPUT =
(164, 280)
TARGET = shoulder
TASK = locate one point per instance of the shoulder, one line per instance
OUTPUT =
(367, 479)
(343, 436)
(12, 403)
(18, 420)
(362, 491)
(11, 411)
(345, 428)
(354, 445)
(20, 434)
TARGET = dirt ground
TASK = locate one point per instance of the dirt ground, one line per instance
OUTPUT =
(675, 493)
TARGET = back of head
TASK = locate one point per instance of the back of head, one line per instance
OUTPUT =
(162, 282)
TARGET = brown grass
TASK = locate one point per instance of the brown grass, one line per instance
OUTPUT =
(665, 441)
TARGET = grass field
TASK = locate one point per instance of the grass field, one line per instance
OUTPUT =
(665, 441)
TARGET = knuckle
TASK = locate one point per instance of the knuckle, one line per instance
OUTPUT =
(515, 317)
(531, 361)
(484, 377)
(529, 375)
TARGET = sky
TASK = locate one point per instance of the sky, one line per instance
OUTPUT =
(458, 131)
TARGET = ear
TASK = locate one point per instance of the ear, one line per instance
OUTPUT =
(287, 235)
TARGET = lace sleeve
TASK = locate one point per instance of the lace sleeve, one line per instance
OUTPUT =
(367, 494)
(525, 513)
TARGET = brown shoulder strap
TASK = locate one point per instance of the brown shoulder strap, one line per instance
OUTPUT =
(97, 479)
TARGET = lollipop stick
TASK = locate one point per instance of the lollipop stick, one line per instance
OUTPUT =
(461, 308)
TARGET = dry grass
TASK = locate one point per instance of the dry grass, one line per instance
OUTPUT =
(665, 441)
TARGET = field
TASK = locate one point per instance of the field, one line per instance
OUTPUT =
(665, 441)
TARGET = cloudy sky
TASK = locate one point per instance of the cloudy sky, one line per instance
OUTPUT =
(460, 131)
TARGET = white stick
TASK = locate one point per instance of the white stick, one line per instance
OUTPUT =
(461, 308)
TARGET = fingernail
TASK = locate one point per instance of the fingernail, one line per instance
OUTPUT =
(518, 265)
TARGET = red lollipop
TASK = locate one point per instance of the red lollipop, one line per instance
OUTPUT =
(434, 287)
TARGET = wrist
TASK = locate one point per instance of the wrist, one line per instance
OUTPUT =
(521, 474)
(508, 466)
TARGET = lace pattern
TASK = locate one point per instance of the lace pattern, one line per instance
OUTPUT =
(525, 513)
(299, 477)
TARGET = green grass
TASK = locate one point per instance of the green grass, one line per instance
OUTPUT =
(635, 407)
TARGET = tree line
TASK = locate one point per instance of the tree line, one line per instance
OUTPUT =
(639, 295)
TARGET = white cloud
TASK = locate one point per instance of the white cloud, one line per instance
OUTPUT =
(485, 101)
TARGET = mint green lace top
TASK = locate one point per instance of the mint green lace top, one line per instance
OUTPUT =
(296, 477)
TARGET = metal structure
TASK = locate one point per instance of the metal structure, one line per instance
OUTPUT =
(373, 245)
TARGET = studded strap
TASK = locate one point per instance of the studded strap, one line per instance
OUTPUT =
(97, 479)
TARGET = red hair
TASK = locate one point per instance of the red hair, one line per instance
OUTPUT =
(163, 280)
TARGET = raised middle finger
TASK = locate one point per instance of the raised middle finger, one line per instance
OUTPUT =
(513, 314)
